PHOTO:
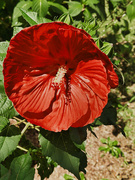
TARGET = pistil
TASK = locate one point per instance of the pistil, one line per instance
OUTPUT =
(60, 75)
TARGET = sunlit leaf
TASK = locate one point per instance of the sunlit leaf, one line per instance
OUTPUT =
(131, 11)
(33, 19)
(17, 13)
(40, 6)
(30, 17)
(75, 8)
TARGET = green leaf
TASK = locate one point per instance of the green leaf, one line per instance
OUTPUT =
(25, 5)
(104, 141)
(20, 169)
(78, 136)
(6, 107)
(4, 174)
(68, 177)
(109, 115)
(107, 48)
(82, 176)
(30, 17)
(101, 148)
(3, 48)
(3, 51)
(3, 122)
(40, 6)
(131, 11)
(61, 149)
(33, 19)
(75, 8)
(98, 7)
(66, 18)
(16, 30)
(9, 139)
(114, 143)
(92, 1)
(57, 8)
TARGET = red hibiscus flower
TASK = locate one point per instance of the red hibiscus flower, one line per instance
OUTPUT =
(56, 76)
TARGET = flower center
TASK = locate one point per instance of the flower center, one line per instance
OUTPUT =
(60, 75)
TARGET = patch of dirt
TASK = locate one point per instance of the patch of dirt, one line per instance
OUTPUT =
(102, 165)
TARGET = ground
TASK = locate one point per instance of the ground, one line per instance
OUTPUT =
(102, 165)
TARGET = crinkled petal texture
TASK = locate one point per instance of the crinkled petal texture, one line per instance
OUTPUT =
(33, 58)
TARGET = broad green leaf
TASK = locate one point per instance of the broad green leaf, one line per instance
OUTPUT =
(9, 139)
(17, 13)
(6, 107)
(40, 6)
(131, 11)
(75, 8)
(61, 149)
(30, 17)
(58, 8)
(4, 173)
(20, 169)
(3, 122)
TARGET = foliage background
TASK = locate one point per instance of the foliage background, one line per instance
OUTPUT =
(111, 24)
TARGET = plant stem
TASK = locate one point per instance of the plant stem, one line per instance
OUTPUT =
(25, 128)
(21, 148)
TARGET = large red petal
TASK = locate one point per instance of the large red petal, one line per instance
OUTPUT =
(91, 77)
(64, 112)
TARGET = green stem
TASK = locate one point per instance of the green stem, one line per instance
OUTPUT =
(21, 148)
(25, 128)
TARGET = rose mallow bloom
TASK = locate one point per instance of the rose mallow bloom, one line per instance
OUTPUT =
(57, 77)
